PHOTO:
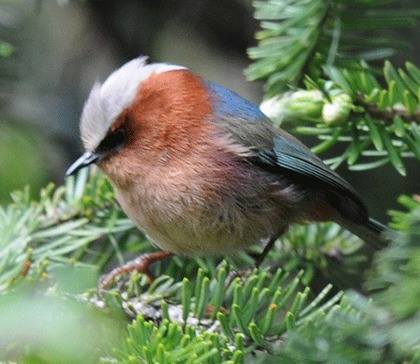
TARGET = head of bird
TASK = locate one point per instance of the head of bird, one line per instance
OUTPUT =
(139, 117)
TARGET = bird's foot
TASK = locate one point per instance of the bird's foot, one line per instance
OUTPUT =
(259, 258)
(242, 274)
(140, 264)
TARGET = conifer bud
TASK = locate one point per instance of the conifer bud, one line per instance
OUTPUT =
(298, 105)
(337, 111)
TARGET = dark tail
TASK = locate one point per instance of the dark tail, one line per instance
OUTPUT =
(372, 232)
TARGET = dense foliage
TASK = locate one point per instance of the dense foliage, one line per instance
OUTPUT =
(319, 297)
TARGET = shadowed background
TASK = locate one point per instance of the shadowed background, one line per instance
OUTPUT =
(61, 47)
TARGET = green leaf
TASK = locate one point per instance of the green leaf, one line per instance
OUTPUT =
(186, 298)
(371, 165)
(327, 144)
(202, 298)
(374, 133)
(392, 152)
(410, 102)
(413, 71)
(399, 127)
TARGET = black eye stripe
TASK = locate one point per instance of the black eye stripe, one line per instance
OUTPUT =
(112, 141)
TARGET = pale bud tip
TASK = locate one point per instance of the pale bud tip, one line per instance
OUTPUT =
(272, 107)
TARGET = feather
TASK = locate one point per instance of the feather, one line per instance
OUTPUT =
(280, 153)
(107, 101)
(288, 156)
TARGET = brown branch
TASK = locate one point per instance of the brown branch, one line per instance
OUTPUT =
(388, 115)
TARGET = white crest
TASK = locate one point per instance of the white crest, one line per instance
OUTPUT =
(106, 101)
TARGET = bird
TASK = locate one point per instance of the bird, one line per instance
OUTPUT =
(201, 171)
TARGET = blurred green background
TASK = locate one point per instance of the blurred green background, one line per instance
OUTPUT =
(61, 47)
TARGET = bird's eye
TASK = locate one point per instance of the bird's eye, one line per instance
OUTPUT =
(112, 141)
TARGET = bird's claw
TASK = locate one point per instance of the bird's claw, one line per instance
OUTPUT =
(140, 264)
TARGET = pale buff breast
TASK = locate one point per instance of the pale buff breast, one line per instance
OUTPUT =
(202, 211)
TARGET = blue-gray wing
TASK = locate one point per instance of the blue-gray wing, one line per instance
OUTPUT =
(280, 153)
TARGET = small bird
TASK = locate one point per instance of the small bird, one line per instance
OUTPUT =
(201, 170)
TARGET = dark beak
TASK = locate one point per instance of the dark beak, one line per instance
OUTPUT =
(85, 160)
